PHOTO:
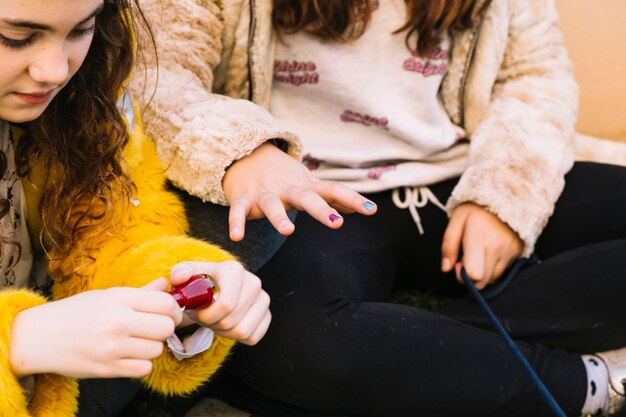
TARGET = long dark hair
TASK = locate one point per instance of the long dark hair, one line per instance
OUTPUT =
(81, 136)
(341, 20)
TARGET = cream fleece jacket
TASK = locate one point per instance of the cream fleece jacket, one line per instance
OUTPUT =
(509, 84)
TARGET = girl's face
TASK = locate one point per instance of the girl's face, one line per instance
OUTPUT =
(42, 45)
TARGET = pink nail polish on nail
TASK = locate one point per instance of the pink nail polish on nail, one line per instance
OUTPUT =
(333, 218)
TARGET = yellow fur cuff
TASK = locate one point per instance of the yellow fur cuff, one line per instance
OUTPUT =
(155, 259)
(54, 395)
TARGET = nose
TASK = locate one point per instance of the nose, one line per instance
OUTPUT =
(50, 65)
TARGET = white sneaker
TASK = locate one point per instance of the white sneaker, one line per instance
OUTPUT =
(615, 361)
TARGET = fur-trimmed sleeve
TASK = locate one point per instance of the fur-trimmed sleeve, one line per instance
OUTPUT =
(154, 259)
(53, 395)
(198, 134)
(146, 238)
(522, 148)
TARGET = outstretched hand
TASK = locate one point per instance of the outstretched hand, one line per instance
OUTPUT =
(489, 246)
(268, 183)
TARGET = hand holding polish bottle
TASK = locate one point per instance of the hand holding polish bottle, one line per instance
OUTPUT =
(240, 311)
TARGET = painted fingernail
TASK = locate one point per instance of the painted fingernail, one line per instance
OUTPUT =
(333, 218)
(368, 205)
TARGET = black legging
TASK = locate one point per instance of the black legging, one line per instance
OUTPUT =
(336, 345)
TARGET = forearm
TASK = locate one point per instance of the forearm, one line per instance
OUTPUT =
(523, 146)
(198, 133)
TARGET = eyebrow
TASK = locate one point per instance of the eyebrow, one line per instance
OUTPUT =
(33, 25)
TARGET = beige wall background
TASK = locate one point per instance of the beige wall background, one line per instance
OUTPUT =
(595, 34)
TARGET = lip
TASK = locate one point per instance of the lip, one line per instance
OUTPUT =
(35, 98)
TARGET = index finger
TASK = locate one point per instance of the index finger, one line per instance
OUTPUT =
(451, 243)
(182, 271)
(145, 300)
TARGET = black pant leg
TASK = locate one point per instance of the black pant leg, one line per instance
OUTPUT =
(573, 301)
(106, 397)
(592, 208)
(336, 346)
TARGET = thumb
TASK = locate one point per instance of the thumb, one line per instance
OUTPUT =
(159, 284)
(181, 272)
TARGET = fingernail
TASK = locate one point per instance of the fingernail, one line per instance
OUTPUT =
(445, 264)
(368, 205)
(333, 218)
(234, 231)
(284, 224)
(183, 266)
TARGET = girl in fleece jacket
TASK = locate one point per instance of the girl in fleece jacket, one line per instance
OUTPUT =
(85, 217)
(457, 119)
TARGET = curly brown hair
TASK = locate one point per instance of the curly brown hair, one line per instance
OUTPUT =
(81, 137)
(343, 21)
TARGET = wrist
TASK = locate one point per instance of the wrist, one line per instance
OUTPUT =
(247, 163)
(281, 144)
(23, 357)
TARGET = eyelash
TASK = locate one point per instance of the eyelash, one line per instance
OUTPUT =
(15, 44)
(23, 43)
(81, 33)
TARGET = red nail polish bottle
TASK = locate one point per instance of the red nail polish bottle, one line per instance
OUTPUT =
(199, 292)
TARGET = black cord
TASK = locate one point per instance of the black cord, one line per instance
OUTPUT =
(558, 411)
(505, 281)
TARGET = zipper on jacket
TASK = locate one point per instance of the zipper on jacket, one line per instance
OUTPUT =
(467, 67)
(252, 30)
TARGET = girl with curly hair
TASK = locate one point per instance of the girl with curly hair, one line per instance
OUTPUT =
(456, 117)
(88, 229)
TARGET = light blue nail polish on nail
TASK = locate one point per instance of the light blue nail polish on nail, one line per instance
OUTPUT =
(368, 205)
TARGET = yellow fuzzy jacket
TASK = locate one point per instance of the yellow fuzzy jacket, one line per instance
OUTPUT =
(148, 240)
